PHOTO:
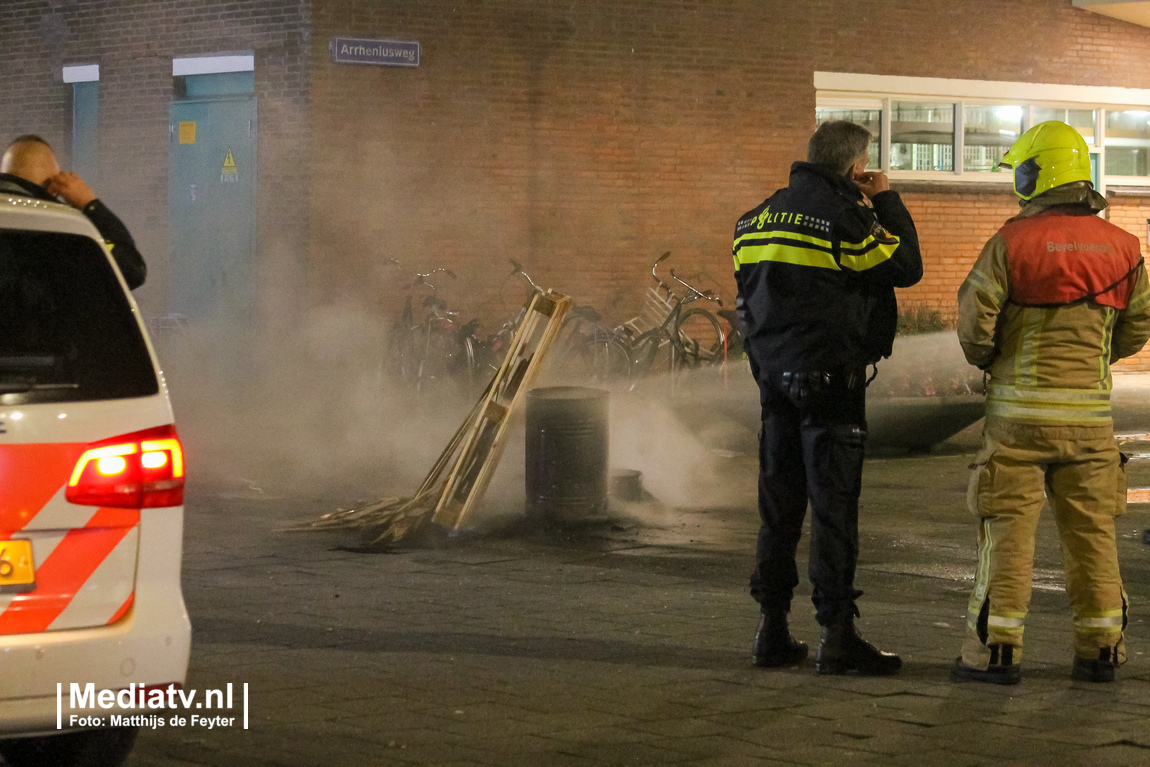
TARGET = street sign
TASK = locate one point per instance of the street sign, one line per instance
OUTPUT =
(386, 53)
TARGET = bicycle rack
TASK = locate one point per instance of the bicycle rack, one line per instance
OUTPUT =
(474, 451)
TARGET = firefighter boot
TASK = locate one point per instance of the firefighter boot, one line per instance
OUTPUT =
(774, 645)
(1100, 669)
(1001, 670)
(841, 650)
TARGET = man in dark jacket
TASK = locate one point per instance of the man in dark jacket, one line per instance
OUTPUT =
(29, 168)
(816, 267)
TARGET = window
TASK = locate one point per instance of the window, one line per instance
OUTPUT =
(871, 119)
(1082, 119)
(1127, 143)
(921, 136)
(85, 81)
(937, 129)
(988, 131)
(67, 332)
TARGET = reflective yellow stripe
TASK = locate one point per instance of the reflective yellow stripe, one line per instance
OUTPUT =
(986, 284)
(1139, 301)
(1055, 396)
(784, 247)
(867, 254)
(1062, 405)
(786, 254)
(981, 577)
(782, 234)
(1108, 318)
(1108, 620)
(1039, 414)
(1026, 361)
(1006, 620)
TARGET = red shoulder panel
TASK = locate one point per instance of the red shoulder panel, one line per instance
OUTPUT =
(1058, 259)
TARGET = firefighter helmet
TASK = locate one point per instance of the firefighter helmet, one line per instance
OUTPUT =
(1048, 155)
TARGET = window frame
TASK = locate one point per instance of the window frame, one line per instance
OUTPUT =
(840, 90)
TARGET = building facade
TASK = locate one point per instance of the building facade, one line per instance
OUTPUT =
(582, 139)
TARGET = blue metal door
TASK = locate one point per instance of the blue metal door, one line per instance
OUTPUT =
(211, 209)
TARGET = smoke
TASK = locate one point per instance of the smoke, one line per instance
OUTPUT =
(683, 445)
(306, 412)
(930, 364)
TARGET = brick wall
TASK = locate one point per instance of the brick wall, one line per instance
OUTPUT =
(134, 43)
(952, 228)
(1131, 211)
(954, 225)
(581, 138)
(586, 138)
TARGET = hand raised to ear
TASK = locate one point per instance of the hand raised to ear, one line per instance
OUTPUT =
(872, 182)
(70, 189)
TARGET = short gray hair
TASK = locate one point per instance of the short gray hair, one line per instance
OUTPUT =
(837, 145)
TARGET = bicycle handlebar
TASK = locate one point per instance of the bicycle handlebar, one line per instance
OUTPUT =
(517, 268)
(692, 291)
(421, 279)
(710, 295)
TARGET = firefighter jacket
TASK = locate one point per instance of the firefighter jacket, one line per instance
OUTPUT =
(111, 228)
(816, 269)
(1055, 297)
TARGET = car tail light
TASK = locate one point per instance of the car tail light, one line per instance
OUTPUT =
(135, 471)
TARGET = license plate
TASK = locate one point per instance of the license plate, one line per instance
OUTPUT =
(17, 573)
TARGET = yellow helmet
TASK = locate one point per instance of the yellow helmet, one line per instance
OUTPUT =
(1048, 155)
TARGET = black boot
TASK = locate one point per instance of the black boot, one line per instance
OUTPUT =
(1100, 669)
(842, 650)
(1001, 670)
(774, 645)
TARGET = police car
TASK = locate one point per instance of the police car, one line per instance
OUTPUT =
(91, 494)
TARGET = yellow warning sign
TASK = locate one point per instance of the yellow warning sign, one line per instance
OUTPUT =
(187, 133)
(229, 164)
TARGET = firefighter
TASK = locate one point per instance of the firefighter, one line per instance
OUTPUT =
(1055, 297)
(816, 265)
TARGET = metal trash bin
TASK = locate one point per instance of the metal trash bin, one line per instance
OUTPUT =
(566, 449)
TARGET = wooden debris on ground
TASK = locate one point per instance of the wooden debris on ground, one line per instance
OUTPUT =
(472, 455)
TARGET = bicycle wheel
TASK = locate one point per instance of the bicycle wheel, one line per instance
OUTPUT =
(404, 347)
(597, 361)
(440, 360)
(701, 336)
(655, 353)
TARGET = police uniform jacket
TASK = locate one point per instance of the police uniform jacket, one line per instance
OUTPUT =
(816, 269)
(111, 228)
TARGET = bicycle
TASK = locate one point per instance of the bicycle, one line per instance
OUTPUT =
(589, 352)
(680, 339)
(434, 349)
(485, 355)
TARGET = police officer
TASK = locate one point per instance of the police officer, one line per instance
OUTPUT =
(29, 167)
(816, 266)
(1055, 297)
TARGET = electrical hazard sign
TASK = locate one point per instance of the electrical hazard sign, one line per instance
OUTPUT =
(229, 173)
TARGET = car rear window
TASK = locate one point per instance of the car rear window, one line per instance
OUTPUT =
(67, 332)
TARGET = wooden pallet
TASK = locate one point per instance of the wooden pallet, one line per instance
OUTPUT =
(486, 438)
(474, 450)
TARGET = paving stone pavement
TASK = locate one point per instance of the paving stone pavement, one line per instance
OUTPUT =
(631, 645)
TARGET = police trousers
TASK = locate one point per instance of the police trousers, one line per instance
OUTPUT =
(1081, 473)
(810, 449)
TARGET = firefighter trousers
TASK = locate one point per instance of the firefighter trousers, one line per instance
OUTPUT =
(1082, 474)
